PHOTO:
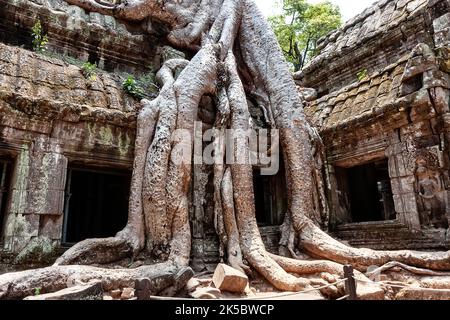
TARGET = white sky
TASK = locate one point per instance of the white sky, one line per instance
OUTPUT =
(349, 8)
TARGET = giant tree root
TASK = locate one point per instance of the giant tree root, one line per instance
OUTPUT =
(21, 284)
(413, 270)
(237, 57)
(319, 244)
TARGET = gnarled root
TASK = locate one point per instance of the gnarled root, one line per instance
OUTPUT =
(21, 284)
(242, 173)
(319, 244)
(96, 251)
(413, 270)
(235, 258)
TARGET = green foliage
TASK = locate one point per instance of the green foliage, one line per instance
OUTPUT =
(141, 87)
(37, 291)
(362, 74)
(131, 86)
(40, 40)
(300, 27)
(90, 71)
(147, 82)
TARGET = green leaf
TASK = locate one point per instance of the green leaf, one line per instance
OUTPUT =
(300, 27)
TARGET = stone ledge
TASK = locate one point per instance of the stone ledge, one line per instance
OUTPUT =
(391, 235)
(41, 88)
(79, 34)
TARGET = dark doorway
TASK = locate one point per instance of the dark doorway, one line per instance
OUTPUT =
(5, 178)
(96, 203)
(270, 198)
(370, 192)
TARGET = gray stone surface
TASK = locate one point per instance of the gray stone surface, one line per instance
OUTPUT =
(91, 291)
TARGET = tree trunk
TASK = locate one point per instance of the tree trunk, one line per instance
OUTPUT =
(237, 56)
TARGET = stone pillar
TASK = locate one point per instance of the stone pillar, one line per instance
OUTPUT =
(45, 194)
(19, 228)
(440, 16)
(37, 199)
(402, 182)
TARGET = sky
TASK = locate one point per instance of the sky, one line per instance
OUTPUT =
(349, 8)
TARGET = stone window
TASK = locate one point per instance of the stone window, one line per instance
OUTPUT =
(369, 192)
(270, 198)
(96, 203)
(5, 177)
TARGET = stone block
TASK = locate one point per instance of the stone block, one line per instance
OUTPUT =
(206, 293)
(18, 201)
(441, 99)
(28, 224)
(422, 111)
(437, 125)
(436, 78)
(116, 293)
(410, 202)
(45, 202)
(402, 169)
(442, 38)
(396, 187)
(407, 184)
(91, 291)
(48, 171)
(226, 278)
(420, 128)
(127, 294)
(392, 166)
(423, 294)
(51, 226)
(398, 203)
(37, 250)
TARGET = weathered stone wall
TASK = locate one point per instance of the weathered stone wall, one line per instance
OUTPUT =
(50, 115)
(370, 41)
(112, 44)
(399, 112)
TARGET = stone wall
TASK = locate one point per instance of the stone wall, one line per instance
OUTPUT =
(398, 112)
(112, 44)
(51, 115)
(370, 41)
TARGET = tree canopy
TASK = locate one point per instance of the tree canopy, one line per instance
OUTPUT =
(301, 25)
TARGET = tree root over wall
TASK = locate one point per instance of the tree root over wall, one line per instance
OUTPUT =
(237, 55)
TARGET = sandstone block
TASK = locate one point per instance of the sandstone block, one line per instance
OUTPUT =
(423, 294)
(127, 293)
(206, 293)
(192, 285)
(91, 291)
(115, 294)
(226, 278)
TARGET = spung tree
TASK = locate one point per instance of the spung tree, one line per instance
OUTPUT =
(301, 25)
(235, 55)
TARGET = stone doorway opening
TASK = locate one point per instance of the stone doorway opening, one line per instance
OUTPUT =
(270, 198)
(6, 167)
(96, 203)
(370, 192)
